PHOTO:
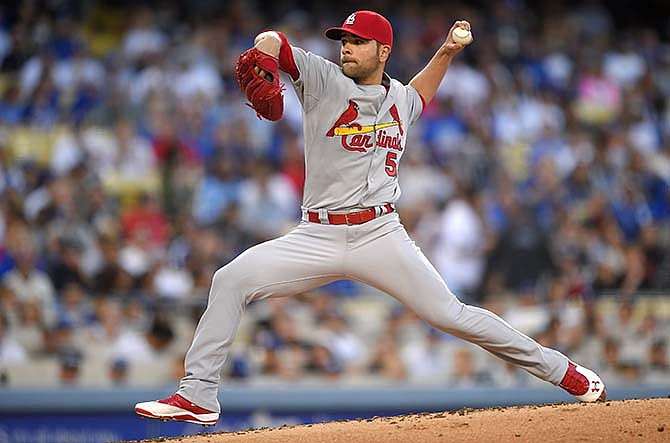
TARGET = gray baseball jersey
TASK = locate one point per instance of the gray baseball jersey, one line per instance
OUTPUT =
(354, 135)
(354, 139)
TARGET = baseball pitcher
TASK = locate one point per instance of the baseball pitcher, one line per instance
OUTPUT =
(355, 122)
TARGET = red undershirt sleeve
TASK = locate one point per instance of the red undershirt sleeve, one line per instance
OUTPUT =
(423, 102)
(286, 61)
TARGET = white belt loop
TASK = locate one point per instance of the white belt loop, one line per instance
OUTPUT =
(305, 216)
(379, 211)
(323, 217)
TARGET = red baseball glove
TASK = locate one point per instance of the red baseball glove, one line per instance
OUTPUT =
(261, 86)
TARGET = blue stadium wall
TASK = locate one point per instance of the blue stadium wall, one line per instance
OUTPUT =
(95, 416)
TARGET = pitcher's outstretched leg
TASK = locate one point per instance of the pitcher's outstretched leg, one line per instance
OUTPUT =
(416, 283)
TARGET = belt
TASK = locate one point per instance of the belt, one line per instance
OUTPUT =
(352, 218)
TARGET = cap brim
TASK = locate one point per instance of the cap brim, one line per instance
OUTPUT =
(336, 34)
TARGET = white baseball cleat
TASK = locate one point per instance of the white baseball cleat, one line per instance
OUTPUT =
(583, 383)
(177, 408)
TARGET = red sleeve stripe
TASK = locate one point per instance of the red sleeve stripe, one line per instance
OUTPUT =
(286, 61)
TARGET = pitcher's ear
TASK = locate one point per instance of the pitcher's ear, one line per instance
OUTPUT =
(384, 52)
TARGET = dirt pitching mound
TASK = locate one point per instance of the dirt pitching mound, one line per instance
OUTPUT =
(614, 421)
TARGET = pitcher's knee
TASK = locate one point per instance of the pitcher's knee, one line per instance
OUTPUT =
(224, 284)
(444, 317)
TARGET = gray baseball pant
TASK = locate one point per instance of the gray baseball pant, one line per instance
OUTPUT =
(379, 253)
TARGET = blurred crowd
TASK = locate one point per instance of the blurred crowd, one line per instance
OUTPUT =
(537, 182)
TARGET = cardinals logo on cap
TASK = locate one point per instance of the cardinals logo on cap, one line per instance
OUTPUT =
(367, 25)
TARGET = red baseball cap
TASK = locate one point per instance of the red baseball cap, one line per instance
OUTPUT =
(365, 24)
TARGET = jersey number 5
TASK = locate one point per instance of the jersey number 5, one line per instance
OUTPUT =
(391, 164)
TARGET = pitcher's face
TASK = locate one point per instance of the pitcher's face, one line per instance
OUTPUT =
(360, 58)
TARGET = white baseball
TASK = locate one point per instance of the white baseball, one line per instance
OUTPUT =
(461, 35)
